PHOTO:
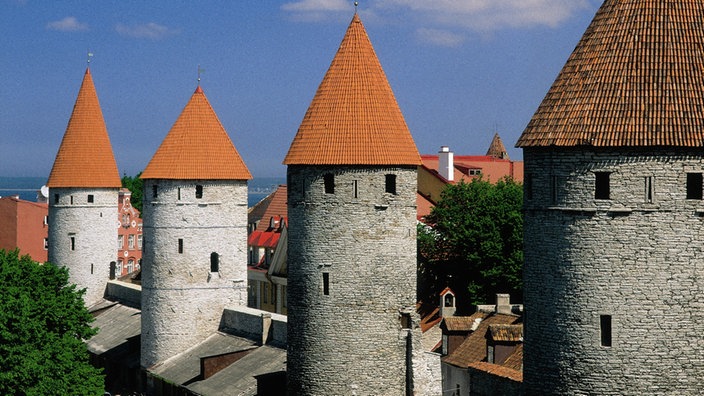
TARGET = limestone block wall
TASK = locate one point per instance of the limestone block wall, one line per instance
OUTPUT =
(634, 260)
(83, 236)
(351, 280)
(182, 297)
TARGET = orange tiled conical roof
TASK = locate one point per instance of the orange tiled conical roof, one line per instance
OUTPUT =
(197, 147)
(85, 157)
(354, 118)
(634, 79)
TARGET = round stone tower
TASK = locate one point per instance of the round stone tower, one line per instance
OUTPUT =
(84, 184)
(352, 182)
(195, 233)
(614, 275)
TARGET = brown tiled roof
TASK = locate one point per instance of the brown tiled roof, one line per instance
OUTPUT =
(354, 118)
(85, 157)
(473, 349)
(277, 207)
(463, 323)
(506, 333)
(634, 79)
(497, 370)
(515, 360)
(497, 148)
(197, 147)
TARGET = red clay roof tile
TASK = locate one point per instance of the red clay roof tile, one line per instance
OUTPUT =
(634, 80)
(85, 157)
(197, 147)
(354, 118)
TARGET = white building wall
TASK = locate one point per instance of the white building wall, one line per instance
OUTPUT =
(93, 228)
(182, 300)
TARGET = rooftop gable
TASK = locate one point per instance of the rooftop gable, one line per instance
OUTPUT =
(634, 80)
(197, 148)
(85, 157)
(354, 118)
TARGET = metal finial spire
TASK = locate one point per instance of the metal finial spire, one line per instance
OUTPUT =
(90, 55)
(356, 3)
(200, 71)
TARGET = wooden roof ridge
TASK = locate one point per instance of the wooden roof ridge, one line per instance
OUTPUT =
(85, 157)
(197, 147)
(633, 80)
(354, 118)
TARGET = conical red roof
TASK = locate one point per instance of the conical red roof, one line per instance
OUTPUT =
(634, 79)
(197, 147)
(85, 157)
(354, 118)
(497, 148)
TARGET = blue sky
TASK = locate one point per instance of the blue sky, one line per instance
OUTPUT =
(460, 69)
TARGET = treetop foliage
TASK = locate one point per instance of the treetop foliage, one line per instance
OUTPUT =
(43, 322)
(474, 241)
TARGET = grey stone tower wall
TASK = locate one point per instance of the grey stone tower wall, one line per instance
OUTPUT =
(351, 341)
(182, 300)
(640, 262)
(93, 227)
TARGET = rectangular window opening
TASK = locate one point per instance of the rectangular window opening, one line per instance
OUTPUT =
(553, 189)
(178, 193)
(329, 181)
(602, 185)
(155, 191)
(355, 188)
(73, 243)
(528, 186)
(391, 184)
(649, 189)
(56, 198)
(199, 191)
(326, 283)
(694, 186)
(90, 198)
(71, 199)
(180, 245)
(605, 326)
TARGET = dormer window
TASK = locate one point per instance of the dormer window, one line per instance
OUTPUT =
(329, 181)
(391, 184)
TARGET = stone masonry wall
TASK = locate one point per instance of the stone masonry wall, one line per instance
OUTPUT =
(640, 263)
(351, 340)
(93, 227)
(182, 300)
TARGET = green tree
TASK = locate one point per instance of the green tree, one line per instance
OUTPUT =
(136, 186)
(43, 325)
(474, 242)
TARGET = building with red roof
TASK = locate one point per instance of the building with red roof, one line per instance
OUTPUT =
(23, 226)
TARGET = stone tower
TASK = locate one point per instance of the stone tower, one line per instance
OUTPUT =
(352, 170)
(614, 231)
(195, 233)
(84, 183)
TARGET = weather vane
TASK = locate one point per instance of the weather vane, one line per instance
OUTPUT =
(200, 71)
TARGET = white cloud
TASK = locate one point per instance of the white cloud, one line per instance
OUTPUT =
(316, 10)
(151, 30)
(68, 24)
(439, 37)
(490, 15)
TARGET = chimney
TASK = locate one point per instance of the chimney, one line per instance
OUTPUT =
(503, 304)
(446, 163)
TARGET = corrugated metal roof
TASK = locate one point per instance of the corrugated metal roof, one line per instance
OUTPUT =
(85, 157)
(197, 148)
(634, 79)
(354, 118)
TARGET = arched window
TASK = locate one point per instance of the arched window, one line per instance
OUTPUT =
(449, 300)
(214, 262)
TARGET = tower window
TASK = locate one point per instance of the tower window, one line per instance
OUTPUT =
(648, 189)
(214, 262)
(355, 188)
(180, 245)
(528, 186)
(329, 181)
(178, 193)
(91, 268)
(694, 186)
(391, 184)
(56, 198)
(90, 198)
(326, 283)
(71, 199)
(605, 326)
(73, 243)
(155, 191)
(553, 189)
(199, 191)
(602, 185)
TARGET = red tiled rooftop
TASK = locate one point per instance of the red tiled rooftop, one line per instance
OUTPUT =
(354, 118)
(473, 349)
(197, 147)
(85, 157)
(634, 80)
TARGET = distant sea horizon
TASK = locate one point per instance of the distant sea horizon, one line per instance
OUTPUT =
(27, 188)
